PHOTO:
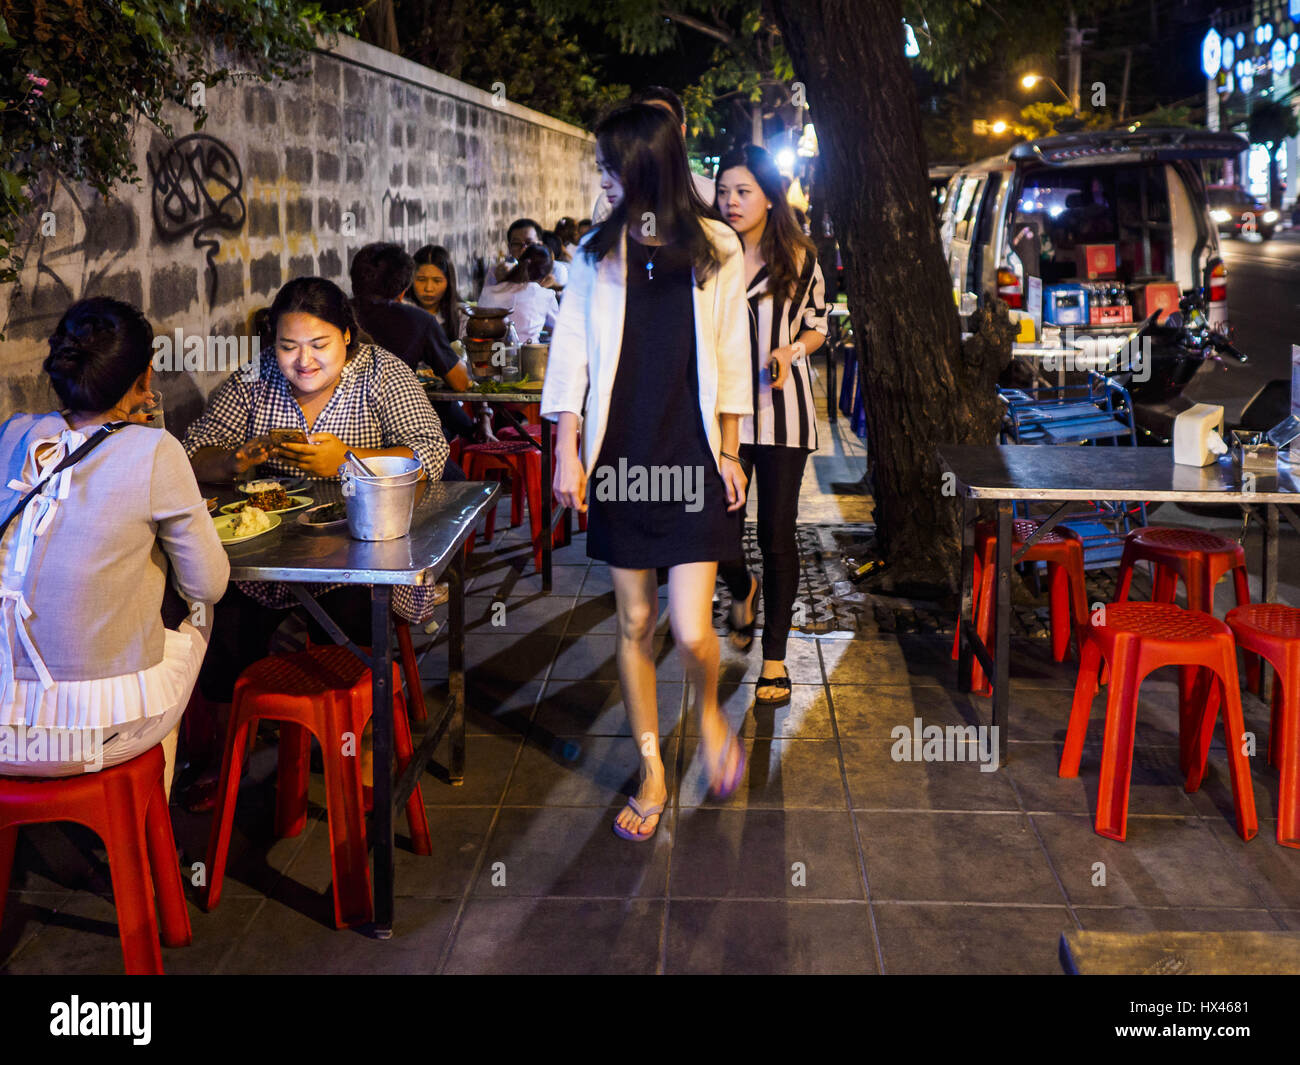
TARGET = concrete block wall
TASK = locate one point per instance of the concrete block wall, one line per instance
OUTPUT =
(287, 179)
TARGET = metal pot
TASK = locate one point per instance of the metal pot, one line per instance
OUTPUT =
(486, 323)
(533, 360)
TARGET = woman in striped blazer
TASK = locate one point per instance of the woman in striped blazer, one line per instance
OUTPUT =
(787, 323)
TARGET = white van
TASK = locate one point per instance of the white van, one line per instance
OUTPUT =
(1031, 211)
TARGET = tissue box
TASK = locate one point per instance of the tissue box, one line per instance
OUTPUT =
(1095, 261)
(1252, 452)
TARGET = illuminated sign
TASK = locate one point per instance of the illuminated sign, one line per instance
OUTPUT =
(1211, 53)
(1277, 56)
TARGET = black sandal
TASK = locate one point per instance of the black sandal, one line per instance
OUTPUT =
(742, 636)
(783, 683)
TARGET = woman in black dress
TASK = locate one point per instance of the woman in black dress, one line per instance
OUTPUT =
(651, 351)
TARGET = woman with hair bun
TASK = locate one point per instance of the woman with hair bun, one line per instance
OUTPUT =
(89, 675)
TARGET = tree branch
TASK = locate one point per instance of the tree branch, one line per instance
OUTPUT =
(699, 26)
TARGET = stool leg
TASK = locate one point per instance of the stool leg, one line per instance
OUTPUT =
(128, 866)
(980, 684)
(1078, 596)
(1241, 585)
(1165, 587)
(1276, 723)
(416, 816)
(533, 483)
(167, 886)
(1117, 743)
(1060, 612)
(292, 777)
(1234, 731)
(1125, 575)
(1286, 744)
(411, 670)
(1197, 711)
(223, 815)
(8, 843)
(345, 812)
(975, 605)
(1085, 690)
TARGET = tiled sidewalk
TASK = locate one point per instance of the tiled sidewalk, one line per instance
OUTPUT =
(832, 857)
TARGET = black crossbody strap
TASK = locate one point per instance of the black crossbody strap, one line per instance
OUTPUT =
(103, 434)
(805, 279)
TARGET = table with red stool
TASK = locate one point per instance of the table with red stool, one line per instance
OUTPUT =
(1007, 474)
(432, 551)
(531, 404)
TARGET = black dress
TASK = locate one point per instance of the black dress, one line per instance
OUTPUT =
(655, 497)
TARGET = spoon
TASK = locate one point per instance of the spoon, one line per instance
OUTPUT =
(352, 458)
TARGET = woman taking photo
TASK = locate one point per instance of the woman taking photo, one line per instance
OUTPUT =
(87, 665)
(340, 394)
(433, 289)
(787, 323)
(654, 322)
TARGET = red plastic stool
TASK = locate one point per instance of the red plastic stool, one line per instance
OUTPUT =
(1273, 632)
(126, 805)
(1200, 559)
(322, 692)
(1134, 640)
(1062, 550)
(524, 464)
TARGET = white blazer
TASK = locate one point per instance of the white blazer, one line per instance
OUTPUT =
(588, 338)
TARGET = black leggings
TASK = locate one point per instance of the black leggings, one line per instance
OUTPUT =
(777, 473)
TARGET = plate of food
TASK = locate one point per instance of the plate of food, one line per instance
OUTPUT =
(324, 517)
(211, 504)
(249, 522)
(275, 501)
(269, 484)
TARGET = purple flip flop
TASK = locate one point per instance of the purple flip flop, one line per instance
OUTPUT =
(733, 782)
(648, 812)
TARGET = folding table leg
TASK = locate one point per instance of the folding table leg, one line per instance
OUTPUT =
(381, 718)
(1002, 653)
(455, 575)
(966, 620)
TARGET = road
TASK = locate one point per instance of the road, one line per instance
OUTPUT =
(1264, 310)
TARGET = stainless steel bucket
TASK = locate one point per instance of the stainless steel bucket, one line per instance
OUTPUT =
(380, 507)
(533, 358)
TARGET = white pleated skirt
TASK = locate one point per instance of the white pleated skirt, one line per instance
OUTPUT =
(80, 726)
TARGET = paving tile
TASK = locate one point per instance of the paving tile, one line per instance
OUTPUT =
(595, 708)
(806, 716)
(593, 658)
(897, 659)
(1175, 919)
(583, 771)
(494, 706)
(931, 938)
(878, 781)
(1273, 871)
(780, 774)
(26, 916)
(457, 834)
(501, 578)
(58, 857)
(1155, 787)
(875, 709)
(489, 761)
(518, 657)
(598, 614)
(752, 853)
(955, 857)
(590, 936)
(802, 661)
(776, 936)
(516, 614)
(1166, 861)
(572, 851)
(1288, 919)
(282, 938)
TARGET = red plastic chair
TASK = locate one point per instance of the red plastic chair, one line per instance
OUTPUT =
(1062, 550)
(1273, 632)
(1200, 558)
(126, 805)
(1134, 639)
(524, 464)
(322, 692)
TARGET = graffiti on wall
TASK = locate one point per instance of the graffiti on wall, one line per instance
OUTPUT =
(198, 191)
(405, 220)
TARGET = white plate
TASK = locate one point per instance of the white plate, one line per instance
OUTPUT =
(227, 521)
(289, 484)
(298, 502)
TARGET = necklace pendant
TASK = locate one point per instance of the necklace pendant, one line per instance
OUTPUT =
(650, 271)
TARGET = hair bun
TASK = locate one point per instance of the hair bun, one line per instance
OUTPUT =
(67, 351)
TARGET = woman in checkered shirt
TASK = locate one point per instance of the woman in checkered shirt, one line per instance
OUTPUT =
(342, 394)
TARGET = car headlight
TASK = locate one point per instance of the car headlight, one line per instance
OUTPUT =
(1270, 216)
(1220, 215)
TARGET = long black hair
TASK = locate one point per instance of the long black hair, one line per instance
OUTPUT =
(321, 299)
(783, 245)
(449, 305)
(533, 265)
(643, 145)
(99, 349)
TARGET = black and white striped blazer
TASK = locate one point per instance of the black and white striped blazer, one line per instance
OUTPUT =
(784, 417)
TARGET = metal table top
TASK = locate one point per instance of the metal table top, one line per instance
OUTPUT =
(447, 395)
(444, 515)
(1147, 474)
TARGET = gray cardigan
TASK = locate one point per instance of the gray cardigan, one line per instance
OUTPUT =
(96, 577)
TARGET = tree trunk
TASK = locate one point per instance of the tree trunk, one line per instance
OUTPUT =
(920, 389)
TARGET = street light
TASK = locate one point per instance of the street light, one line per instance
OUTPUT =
(999, 127)
(1030, 80)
